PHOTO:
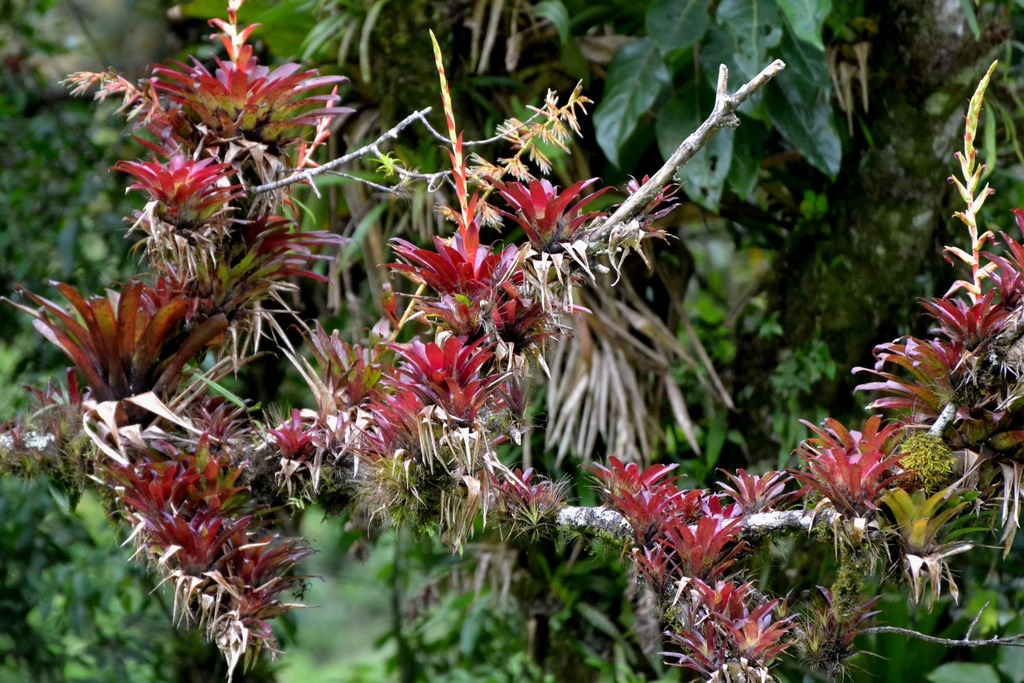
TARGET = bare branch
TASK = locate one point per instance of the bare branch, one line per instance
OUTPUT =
(372, 148)
(307, 175)
(722, 116)
(1015, 640)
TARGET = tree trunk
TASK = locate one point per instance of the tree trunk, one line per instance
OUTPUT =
(889, 213)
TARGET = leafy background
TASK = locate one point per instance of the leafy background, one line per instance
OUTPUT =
(805, 238)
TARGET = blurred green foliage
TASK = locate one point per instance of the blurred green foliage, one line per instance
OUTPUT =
(71, 607)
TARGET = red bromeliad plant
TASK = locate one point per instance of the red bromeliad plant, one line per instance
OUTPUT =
(755, 493)
(450, 377)
(218, 253)
(185, 194)
(527, 503)
(548, 217)
(199, 528)
(829, 631)
(850, 470)
(723, 637)
(129, 342)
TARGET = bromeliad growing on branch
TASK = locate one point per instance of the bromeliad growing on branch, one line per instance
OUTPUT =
(149, 351)
(417, 423)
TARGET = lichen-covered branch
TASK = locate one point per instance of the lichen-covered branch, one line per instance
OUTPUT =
(594, 521)
(600, 520)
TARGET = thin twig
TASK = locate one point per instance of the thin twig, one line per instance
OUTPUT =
(307, 175)
(372, 148)
(1015, 641)
(722, 116)
(476, 143)
(977, 617)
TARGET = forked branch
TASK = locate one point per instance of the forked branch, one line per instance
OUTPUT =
(722, 116)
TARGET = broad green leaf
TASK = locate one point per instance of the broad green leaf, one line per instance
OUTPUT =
(747, 153)
(957, 672)
(367, 222)
(676, 24)
(599, 620)
(555, 12)
(797, 105)
(636, 79)
(754, 27)
(471, 628)
(704, 176)
(806, 17)
(1010, 660)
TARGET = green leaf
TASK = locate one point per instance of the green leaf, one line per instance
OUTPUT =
(636, 79)
(797, 105)
(369, 23)
(747, 153)
(1010, 660)
(471, 628)
(806, 17)
(972, 18)
(754, 27)
(359, 234)
(957, 672)
(676, 24)
(221, 390)
(703, 177)
(555, 12)
(598, 620)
